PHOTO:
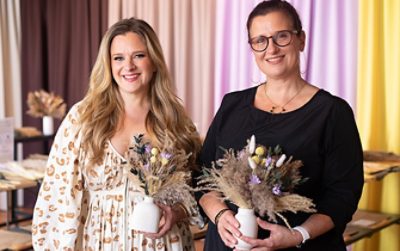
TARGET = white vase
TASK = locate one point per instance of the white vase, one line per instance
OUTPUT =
(146, 216)
(48, 125)
(248, 226)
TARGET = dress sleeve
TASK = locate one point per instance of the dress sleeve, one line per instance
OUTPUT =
(56, 217)
(343, 168)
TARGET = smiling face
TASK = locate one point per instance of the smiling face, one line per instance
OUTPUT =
(277, 62)
(131, 66)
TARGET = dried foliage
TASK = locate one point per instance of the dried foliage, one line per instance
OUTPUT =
(258, 177)
(42, 103)
(162, 173)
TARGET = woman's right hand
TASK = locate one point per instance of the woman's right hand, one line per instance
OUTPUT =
(228, 228)
(227, 225)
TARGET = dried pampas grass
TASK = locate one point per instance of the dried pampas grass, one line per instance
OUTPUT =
(42, 103)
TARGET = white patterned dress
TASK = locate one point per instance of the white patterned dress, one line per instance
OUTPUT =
(76, 210)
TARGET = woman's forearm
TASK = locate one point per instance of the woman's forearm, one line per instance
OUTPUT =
(212, 204)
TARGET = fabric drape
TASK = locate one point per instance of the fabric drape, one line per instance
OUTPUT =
(10, 60)
(10, 67)
(378, 91)
(60, 40)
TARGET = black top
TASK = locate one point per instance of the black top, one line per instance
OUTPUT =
(322, 133)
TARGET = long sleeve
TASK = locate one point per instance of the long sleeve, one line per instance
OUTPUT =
(342, 177)
(56, 219)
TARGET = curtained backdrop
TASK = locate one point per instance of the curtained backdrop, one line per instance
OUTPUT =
(60, 40)
(352, 48)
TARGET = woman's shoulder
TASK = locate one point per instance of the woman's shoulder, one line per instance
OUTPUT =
(242, 96)
(71, 120)
(75, 110)
(333, 102)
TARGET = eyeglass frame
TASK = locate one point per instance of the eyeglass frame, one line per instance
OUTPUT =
(295, 32)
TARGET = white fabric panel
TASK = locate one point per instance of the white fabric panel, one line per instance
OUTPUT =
(10, 61)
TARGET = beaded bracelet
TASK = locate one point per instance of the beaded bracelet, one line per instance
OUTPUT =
(219, 214)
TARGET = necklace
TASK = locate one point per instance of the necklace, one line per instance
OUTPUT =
(275, 106)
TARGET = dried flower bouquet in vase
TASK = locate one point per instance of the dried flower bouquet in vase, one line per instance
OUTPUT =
(42, 103)
(47, 106)
(258, 178)
(163, 174)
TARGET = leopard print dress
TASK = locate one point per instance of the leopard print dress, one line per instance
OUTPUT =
(78, 210)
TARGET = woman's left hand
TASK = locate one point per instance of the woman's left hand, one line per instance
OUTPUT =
(168, 219)
(280, 237)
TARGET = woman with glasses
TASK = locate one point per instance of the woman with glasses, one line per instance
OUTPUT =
(308, 123)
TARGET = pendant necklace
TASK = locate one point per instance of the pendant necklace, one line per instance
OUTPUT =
(275, 106)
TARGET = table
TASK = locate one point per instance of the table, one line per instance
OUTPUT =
(379, 164)
(366, 223)
(18, 184)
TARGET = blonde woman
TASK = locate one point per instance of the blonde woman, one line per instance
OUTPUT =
(86, 199)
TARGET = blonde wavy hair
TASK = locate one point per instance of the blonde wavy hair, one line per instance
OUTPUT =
(102, 106)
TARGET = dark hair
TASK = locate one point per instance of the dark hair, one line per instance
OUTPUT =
(266, 7)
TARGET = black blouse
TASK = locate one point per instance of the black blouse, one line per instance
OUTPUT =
(322, 133)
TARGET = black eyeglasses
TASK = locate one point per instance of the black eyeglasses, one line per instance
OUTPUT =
(281, 39)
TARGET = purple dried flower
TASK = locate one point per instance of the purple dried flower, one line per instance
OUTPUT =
(277, 190)
(268, 161)
(147, 166)
(147, 148)
(254, 180)
(166, 155)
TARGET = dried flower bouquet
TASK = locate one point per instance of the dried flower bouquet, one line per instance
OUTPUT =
(42, 103)
(162, 172)
(260, 178)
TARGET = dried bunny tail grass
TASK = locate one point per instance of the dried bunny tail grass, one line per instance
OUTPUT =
(295, 203)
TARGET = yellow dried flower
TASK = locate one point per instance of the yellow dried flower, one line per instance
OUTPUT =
(260, 151)
(164, 161)
(154, 151)
(256, 159)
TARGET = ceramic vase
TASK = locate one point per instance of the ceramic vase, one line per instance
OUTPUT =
(248, 226)
(48, 125)
(146, 216)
